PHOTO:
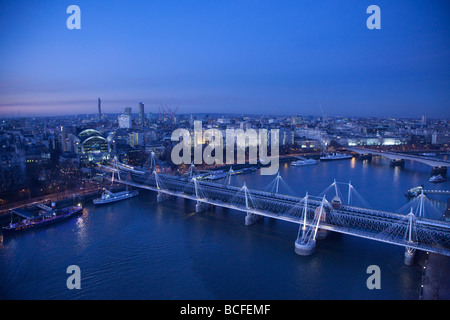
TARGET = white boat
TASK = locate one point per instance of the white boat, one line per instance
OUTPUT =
(437, 178)
(216, 176)
(108, 196)
(306, 162)
(335, 156)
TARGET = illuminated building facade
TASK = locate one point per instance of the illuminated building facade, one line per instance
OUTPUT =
(93, 147)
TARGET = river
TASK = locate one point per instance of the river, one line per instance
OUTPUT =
(141, 249)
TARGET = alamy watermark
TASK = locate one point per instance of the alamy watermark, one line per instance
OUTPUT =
(74, 280)
(235, 139)
(374, 21)
(74, 20)
(374, 280)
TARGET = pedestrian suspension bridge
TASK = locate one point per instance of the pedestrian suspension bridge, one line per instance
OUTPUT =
(332, 210)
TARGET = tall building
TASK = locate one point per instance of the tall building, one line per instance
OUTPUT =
(424, 119)
(141, 113)
(136, 139)
(63, 139)
(99, 108)
(124, 121)
(128, 111)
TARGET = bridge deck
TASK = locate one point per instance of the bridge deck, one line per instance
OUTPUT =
(388, 227)
(433, 162)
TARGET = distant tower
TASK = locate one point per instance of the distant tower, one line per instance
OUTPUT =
(128, 111)
(64, 139)
(99, 108)
(141, 113)
(424, 119)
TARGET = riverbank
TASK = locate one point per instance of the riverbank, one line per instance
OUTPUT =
(60, 199)
(435, 280)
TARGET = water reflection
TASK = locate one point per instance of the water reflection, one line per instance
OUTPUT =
(397, 170)
(80, 227)
(353, 163)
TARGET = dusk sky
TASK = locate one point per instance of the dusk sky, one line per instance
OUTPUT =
(226, 56)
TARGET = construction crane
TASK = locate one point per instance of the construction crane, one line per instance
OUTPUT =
(167, 111)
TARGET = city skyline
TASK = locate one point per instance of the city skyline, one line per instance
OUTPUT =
(294, 58)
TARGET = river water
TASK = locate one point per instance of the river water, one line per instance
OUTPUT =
(141, 249)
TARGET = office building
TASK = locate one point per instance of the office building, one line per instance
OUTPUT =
(141, 114)
(124, 121)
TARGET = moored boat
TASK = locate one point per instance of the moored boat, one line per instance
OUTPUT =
(335, 156)
(43, 219)
(437, 178)
(414, 192)
(216, 175)
(108, 196)
(305, 162)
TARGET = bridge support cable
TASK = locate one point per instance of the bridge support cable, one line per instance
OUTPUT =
(355, 199)
(332, 191)
(296, 211)
(192, 169)
(411, 233)
(153, 163)
(279, 186)
(350, 187)
(336, 188)
(422, 207)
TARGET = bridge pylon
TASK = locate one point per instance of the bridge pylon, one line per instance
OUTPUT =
(250, 218)
(229, 174)
(191, 170)
(115, 168)
(411, 238)
(305, 244)
(161, 196)
(199, 206)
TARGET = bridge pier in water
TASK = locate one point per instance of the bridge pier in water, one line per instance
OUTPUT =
(398, 163)
(365, 156)
(305, 248)
(409, 256)
(200, 206)
(251, 218)
(160, 197)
